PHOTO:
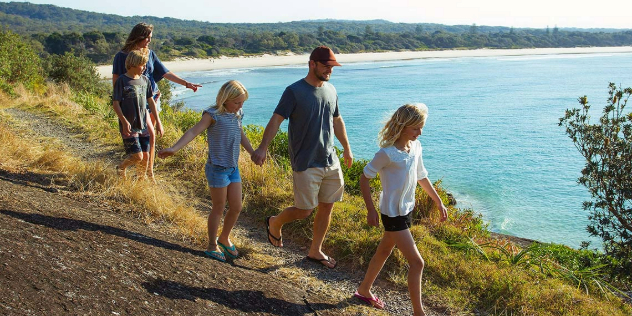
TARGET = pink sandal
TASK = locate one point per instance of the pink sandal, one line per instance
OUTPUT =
(373, 301)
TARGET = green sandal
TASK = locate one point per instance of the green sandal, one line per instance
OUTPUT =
(217, 255)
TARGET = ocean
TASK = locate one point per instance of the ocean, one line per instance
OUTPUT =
(492, 134)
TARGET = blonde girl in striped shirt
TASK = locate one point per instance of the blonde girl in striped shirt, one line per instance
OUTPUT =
(225, 134)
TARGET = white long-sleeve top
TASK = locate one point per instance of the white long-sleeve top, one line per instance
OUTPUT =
(399, 172)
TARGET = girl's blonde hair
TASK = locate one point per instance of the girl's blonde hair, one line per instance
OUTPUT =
(230, 90)
(406, 115)
(140, 32)
(136, 57)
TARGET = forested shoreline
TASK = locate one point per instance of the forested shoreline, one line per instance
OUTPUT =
(54, 30)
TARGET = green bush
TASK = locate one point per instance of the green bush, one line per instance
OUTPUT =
(278, 148)
(78, 72)
(180, 118)
(570, 258)
(95, 104)
(165, 91)
(20, 64)
(352, 176)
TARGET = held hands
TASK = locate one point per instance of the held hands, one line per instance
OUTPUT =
(258, 156)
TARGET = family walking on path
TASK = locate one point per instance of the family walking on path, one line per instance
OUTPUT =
(311, 106)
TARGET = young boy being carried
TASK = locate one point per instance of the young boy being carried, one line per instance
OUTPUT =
(132, 94)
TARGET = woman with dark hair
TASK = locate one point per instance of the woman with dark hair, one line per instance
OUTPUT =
(139, 38)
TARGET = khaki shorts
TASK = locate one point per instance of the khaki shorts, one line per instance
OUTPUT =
(315, 185)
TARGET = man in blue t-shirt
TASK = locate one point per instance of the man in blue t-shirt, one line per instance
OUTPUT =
(311, 105)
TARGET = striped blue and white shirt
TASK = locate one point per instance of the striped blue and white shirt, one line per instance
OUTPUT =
(224, 138)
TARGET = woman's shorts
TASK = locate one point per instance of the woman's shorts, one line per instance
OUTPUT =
(397, 223)
(136, 144)
(220, 177)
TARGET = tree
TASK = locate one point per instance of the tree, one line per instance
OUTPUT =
(20, 64)
(78, 72)
(607, 147)
(206, 39)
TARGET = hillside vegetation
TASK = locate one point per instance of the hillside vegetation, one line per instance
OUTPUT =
(467, 272)
(56, 30)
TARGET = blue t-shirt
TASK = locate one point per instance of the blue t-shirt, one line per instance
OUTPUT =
(311, 127)
(155, 69)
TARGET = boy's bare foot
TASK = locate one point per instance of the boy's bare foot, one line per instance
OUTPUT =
(151, 178)
(121, 172)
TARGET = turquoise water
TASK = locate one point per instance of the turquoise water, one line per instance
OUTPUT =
(491, 136)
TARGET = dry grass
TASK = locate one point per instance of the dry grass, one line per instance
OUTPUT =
(167, 202)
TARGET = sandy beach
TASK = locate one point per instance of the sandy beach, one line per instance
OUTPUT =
(187, 65)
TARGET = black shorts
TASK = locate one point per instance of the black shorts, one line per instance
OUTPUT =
(137, 144)
(397, 223)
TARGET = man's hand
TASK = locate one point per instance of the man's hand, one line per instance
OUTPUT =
(347, 155)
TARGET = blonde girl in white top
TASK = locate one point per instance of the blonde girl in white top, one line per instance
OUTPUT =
(400, 166)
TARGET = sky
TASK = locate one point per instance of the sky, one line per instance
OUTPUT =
(511, 13)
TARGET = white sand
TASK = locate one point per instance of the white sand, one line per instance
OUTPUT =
(187, 65)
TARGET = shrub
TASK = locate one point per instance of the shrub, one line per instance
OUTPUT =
(78, 72)
(278, 148)
(20, 64)
(352, 176)
(165, 91)
(180, 118)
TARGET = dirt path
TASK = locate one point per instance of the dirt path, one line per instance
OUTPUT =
(66, 253)
(71, 256)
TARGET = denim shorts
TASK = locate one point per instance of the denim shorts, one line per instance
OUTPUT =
(220, 177)
(397, 223)
(134, 145)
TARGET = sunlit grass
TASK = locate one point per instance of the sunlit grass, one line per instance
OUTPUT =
(466, 270)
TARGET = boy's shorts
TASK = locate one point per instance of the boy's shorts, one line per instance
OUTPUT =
(136, 144)
(316, 185)
(220, 177)
(397, 223)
